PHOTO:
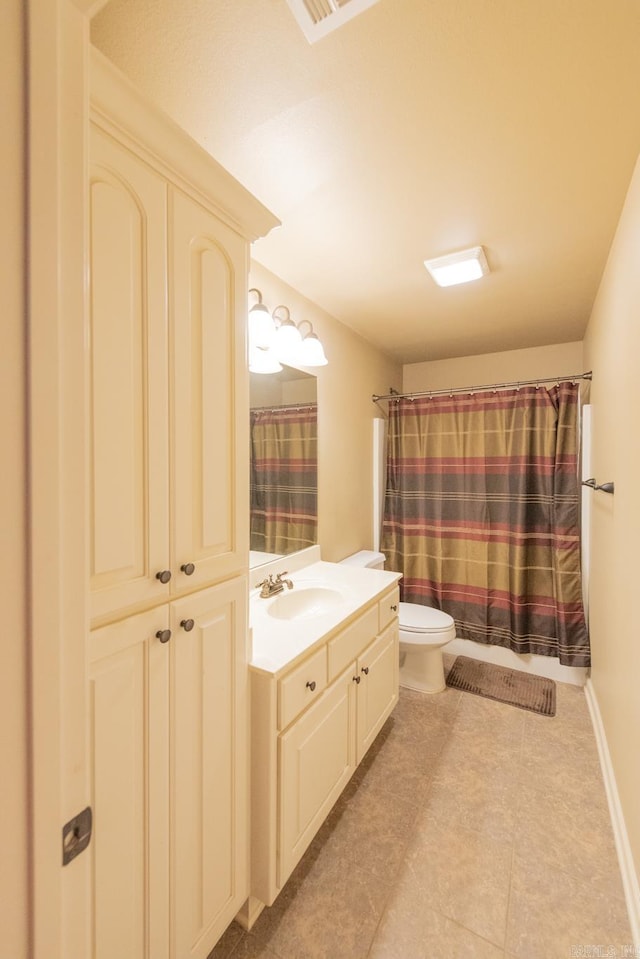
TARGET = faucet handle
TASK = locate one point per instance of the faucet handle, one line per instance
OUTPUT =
(280, 580)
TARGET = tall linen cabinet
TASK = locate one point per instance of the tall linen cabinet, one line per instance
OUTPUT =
(168, 259)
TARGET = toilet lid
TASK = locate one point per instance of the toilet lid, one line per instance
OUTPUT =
(415, 618)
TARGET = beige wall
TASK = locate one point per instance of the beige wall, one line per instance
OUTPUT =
(268, 390)
(612, 348)
(13, 703)
(355, 371)
(559, 360)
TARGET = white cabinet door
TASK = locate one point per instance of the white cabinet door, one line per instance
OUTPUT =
(209, 766)
(129, 746)
(317, 759)
(151, 245)
(209, 403)
(378, 689)
(128, 402)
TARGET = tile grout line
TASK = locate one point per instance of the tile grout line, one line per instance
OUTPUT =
(513, 838)
(401, 862)
(421, 718)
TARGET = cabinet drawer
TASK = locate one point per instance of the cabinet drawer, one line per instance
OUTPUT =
(301, 687)
(388, 608)
(351, 641)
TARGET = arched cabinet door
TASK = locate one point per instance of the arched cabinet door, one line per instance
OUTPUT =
(128, 391)
(208, 404)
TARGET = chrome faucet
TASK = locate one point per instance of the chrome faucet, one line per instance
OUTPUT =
(272, 585)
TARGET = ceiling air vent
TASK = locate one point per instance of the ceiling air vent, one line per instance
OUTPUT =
(317, 18)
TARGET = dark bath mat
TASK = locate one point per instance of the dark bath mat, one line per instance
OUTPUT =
(510, 686)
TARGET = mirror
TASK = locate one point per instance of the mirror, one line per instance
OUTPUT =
(283, 479)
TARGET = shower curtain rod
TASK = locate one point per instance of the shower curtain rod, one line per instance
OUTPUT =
(488, 386)
(284, 406)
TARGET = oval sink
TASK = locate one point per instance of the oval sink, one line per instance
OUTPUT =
(305, 602)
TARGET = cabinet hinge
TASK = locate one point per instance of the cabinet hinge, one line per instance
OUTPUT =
(76, 835)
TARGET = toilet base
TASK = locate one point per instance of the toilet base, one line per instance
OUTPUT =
(422, 669)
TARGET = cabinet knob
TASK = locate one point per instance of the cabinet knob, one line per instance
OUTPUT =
(187, 568)
(311, 685)
(357, 679)
(187, 625)
(164, 635)
(164, 575)
(395, 608)
(365, 670)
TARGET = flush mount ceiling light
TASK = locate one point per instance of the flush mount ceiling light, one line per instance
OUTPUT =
(460, 267)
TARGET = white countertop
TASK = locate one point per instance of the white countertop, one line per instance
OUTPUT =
(278, 643)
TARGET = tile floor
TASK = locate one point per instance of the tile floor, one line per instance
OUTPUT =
(471, 829)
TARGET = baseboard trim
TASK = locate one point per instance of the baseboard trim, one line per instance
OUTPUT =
(621, 837)
(249, 913)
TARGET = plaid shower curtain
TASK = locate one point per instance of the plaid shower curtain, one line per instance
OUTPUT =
(284, 461)
(482, 515)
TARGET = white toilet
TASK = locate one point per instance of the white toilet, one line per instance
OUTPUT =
(423, 632)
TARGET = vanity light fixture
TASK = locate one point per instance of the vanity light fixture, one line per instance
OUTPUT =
(459, 267)
(311, 351)
(263, 361)
(276, 339)
(261, 326)
(288, 338)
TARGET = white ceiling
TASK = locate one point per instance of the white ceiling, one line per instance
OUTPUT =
(418, 128)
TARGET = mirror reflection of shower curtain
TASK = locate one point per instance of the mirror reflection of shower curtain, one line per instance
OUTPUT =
(482, 515)
(283, 484)
(587, 500)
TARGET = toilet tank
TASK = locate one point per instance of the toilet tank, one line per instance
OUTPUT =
(367, 558)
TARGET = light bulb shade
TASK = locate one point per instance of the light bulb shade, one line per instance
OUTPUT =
(263, 361)
(261, 327)
(287, 342)
(311, 352)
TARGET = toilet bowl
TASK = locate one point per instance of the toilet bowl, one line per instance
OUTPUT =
(423, 633)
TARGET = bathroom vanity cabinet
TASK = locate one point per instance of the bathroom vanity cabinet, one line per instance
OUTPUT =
(312, 723)
(168, 264)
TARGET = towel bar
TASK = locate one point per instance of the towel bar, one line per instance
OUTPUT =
(605, 487)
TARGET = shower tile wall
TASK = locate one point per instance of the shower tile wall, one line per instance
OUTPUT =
(472, 829)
